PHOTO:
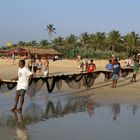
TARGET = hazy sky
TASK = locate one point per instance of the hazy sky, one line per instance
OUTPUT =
(26, 19)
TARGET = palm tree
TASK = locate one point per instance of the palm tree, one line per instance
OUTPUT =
(50, 28)
(85, 39)
(98, 40)
(58, 42)
(44, 43)
(114, 39)
(32, 43)
(21, 43)
(131, 40)
(71, 41)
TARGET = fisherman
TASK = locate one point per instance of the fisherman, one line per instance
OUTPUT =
(46, 67)
(24, 76)
(30, 65)
(135, 70)
(39, 65)
(116, 73)
(91, 67)
(83, 65)
(13, 58)
(128, 62)
(109, 67)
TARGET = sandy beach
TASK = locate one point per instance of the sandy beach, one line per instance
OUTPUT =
(8, 70)
(101, 90)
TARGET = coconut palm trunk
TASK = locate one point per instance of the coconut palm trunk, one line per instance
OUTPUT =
(50, 28)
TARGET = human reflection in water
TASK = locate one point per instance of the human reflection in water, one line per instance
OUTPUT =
(59, 109)
(20, 126)
(50, 110)
(33, 112)
(90, 107)
(134, 109)
(73, 105)
(115, 111)
(76, 105)
(19, 120)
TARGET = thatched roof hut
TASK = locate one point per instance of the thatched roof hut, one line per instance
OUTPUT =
(16, 50)
(27, 51)
(43, 51)
(2, 52)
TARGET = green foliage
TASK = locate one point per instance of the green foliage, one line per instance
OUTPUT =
(114, 39)
(85, 39)
(132, 43)
(96, 45)
(98, 40)
(99, 54)
(71, 41)
(44, 43)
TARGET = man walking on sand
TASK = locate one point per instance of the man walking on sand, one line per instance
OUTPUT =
(24, 75)
(116, 72)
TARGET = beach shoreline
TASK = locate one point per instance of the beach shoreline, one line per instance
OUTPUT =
(101, 90)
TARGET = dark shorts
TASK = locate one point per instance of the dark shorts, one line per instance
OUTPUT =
(20, 92)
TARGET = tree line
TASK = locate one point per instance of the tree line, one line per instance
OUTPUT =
(99, 44)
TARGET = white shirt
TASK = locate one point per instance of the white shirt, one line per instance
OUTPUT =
(23, 77)
(128, 62)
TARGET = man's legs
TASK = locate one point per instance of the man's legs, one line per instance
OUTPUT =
(115, 83)
(133, 78)
(21, 103)
(22, 94)
(15, 102)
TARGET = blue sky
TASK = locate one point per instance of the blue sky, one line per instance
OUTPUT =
(26, 19)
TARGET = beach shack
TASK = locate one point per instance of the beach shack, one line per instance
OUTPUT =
(2, 52)
(41, 52)
(17, 52)
(28, 52)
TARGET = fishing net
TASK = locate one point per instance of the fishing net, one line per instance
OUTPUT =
(97, 74)
(5, 87)
(58, 84)
(89, 79)
(74, 81)
(125, 72)
(107, 74)
(50, 83)
(35, 86)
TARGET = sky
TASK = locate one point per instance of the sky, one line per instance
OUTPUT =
(26, 19)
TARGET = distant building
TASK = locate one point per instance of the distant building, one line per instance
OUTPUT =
(29, 52)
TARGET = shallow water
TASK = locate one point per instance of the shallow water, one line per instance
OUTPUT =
(69, 118)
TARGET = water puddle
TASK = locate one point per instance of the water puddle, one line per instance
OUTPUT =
(71, 118)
